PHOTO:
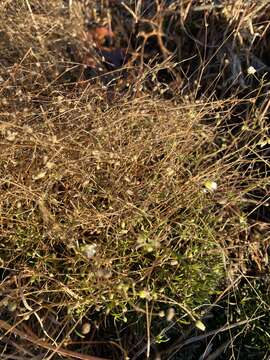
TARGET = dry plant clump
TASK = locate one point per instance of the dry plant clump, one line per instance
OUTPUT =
(127, 210)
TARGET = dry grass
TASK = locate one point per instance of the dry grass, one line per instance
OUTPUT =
(115, 213)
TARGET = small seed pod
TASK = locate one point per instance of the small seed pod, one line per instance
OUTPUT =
(170, 314)
(86, 327)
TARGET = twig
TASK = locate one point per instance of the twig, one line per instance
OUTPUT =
(194, 339)
(44, 344)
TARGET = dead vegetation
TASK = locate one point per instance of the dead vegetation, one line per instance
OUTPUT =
(134, 179)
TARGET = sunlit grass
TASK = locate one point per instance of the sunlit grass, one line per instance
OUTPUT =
(139, 212)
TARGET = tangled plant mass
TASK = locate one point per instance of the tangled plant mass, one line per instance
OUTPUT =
(134, 183)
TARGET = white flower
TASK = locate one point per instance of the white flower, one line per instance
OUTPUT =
(11, 136)
(210, 185)
(89, 250)
(161, 314)
(39, 176)
(49, 165)
(251, 70)
(144, 294)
